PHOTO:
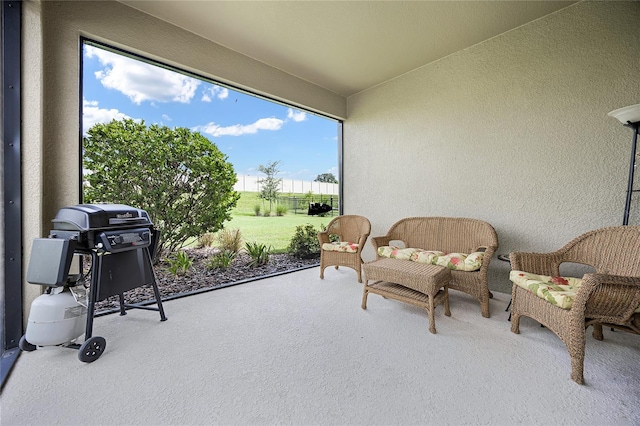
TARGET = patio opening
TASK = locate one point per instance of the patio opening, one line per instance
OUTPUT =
(172, 143)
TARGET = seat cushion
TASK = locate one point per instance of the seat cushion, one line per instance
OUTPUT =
(560, 291)
(342, 246)
(455, 261)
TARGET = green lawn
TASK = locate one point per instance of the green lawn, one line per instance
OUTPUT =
(275, 231)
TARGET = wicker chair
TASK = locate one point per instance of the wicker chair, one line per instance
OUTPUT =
(348, 228)
(607, 297)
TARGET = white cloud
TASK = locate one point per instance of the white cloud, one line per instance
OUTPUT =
(141, 81)
(92, 114)
(296, 116)
(221, 93)
(240, 129)
(165, 117)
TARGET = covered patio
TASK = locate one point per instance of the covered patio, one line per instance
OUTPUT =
(295, 349)
(510, 128)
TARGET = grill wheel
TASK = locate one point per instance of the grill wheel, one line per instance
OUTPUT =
(92, 349)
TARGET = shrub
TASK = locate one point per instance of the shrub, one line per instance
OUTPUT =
(281, 210)
(206, 240)
(230, 240)
(180, 263)
(259, 253)
(267, 213)
(179, 177)
(221, 260)
(334, 238)
(304, 243)
(256, 209)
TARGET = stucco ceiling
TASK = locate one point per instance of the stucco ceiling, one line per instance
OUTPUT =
(347, 46)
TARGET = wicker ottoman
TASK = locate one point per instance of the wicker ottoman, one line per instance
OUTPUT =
(419, 284)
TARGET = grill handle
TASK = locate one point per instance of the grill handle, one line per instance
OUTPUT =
(128, 221)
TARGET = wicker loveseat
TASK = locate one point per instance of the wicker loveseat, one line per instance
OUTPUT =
(568, 305)
(446, 235)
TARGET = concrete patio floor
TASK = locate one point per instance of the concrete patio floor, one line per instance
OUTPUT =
(295, 349)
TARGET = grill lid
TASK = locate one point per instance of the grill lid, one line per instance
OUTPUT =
(88, 217)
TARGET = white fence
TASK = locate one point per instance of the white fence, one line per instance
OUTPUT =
(248, 183)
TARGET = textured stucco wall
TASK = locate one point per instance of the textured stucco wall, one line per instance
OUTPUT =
(32, 139)
(513, 131)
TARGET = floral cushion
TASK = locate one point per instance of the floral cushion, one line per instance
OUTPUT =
(455, 261)
(461, 261)
(342, 246)
(560, 291)
(426, 256)
(394, 252)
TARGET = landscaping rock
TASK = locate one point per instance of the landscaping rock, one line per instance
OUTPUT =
(200, 277)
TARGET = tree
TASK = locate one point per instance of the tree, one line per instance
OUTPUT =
(179, 177)
(270, 186)
(326, 177)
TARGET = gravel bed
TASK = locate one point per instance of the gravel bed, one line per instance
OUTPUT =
(201, 278)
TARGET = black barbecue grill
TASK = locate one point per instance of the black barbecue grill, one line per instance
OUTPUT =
(121, 241)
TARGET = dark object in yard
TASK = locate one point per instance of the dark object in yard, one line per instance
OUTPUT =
(317, 208)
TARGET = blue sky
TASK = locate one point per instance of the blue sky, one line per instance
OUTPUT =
(249, 130)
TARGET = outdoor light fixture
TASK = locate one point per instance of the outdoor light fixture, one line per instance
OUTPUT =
(630, 117)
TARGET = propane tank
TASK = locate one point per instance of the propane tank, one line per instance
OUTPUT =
(55, 318)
